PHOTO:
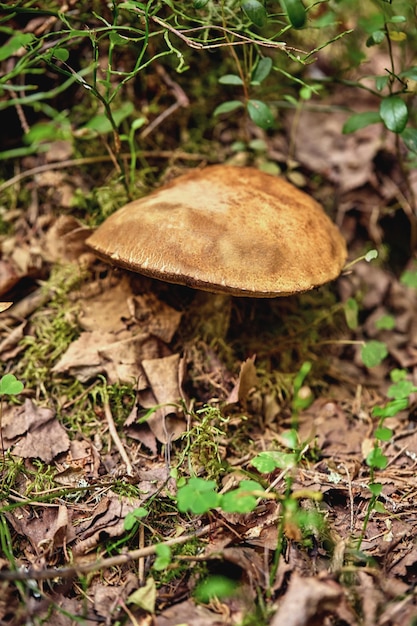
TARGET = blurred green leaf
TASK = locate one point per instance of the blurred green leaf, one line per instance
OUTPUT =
(394, 113)
(373, 353)
(377, 459)
(262, 70)
(409, 278)
(409, 136)
(360, 120)
(295, 11)
(230, 79)
(228, 107)
(255, 11)
(14, 44)
(351, 310)
(260, 114)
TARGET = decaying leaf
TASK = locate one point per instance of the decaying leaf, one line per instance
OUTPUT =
(34, 432)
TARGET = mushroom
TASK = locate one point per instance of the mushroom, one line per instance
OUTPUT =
(227, 230)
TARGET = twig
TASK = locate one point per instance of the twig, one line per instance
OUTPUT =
(60, 165)
(241, 39)
(86, 568)
(116, 439)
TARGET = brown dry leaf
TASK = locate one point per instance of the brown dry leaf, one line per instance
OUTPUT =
(188, 614)
(246, 382)
(4, 306)
(123, 360)
(107, 599)
(82, 359)
(49, 529)
(107, 311)
(98, 352)
(165, 379)
(34, 432)
(155, 317)
(108, 519)
(307, 601)
(64, 241)
(346, 160)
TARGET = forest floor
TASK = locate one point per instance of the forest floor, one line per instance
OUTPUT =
(92, 528)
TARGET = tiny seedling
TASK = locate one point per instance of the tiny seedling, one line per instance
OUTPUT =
(9, 386)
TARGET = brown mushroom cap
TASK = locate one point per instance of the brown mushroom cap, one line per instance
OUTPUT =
(226, 229)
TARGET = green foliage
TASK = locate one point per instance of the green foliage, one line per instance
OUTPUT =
(163, 557)
(214, 587)
(373, 353)
(198, 496)
(409, 278)
(295, 11)
(10, 386)
(390, 26)
(133, 518)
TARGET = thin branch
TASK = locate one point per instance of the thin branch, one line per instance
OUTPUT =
(86, 568)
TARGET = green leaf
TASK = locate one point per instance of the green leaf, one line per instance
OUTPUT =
(268, 461)
(376, 38)
(377, 459)
(200, 4)
(117, 40)
(391, 409)
(394, 113)
(409, 137)
(230, 79)
(242, 499)
(262, 70)
(398, 374)
(375, 489)
(409, 278)
(295, 11)
(411, 72)
(14, 44)
(163, 557)
(360, 120)
(397, 19)
(371, 255)
(401, 389)
(10, 386)
(383, 433)
(227, 107)
(351, 309)
(198, 496)
(255, 11)
(133, 517)
(381, 82)
(101, 124)
(260, 114)
(61, 54)
(385, 322)
(214, 587)
(373, 353)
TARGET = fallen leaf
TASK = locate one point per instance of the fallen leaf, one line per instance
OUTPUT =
(34, 432)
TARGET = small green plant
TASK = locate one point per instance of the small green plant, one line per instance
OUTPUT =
(399, 392)
(391, 26)
(9, 386)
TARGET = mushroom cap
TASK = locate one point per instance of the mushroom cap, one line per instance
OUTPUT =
(226, 229)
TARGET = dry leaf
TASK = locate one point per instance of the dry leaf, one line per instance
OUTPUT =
(34, 432)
